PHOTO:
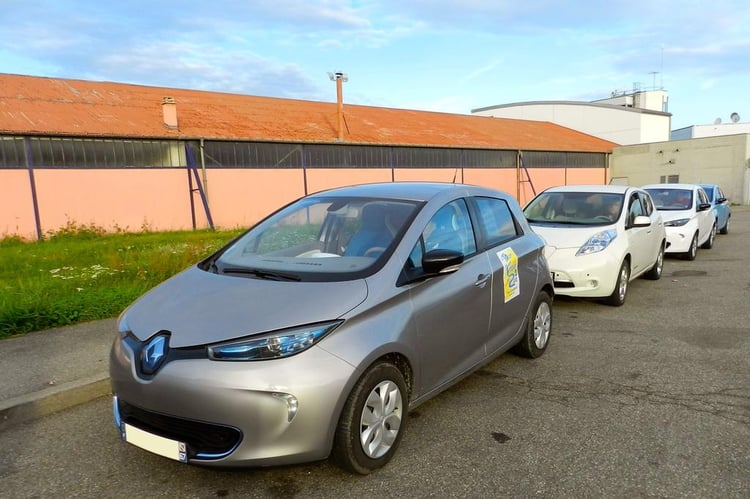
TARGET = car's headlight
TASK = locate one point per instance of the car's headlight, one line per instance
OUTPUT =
(273, 345)
(677, 223)
(597, 242)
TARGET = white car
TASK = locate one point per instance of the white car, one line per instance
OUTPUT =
(598, 238)
(687, 215)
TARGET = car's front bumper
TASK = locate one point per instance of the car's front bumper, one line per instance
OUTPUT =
(680, 238)
(585, 276)
(245, 408)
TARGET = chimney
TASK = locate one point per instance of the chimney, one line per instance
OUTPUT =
(339, 78)
(169, 111)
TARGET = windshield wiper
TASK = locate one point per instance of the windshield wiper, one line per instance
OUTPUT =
(271, 275)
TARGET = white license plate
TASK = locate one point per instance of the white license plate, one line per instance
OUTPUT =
(165, 447)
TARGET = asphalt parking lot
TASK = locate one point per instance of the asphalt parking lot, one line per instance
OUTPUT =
(651, 399)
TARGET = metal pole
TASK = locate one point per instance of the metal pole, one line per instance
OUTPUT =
(34, 201)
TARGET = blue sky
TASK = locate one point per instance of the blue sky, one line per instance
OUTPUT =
(439, 55)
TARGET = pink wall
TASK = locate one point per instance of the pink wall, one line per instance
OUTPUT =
(319, 179)
(160, 198)
(16, 206)
(128, 199)
(241, 197)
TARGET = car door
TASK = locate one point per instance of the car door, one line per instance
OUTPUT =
(655, 232)
(721, 205)
(451, 311)
(513, 261)
(706, 216)
(639, 238)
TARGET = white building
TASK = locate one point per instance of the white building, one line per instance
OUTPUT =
(624, 118)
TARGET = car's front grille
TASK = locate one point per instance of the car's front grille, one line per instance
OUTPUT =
(204, 440)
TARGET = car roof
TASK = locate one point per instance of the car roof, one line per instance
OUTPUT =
(671, 186)
(412, 191)
(605, 189)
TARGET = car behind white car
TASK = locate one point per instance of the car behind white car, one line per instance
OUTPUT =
(598, 238)
(687, 215)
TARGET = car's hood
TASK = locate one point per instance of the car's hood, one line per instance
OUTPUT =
(200, 307)
(669, 215)
(567, 236)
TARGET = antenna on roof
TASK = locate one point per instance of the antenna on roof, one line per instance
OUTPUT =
(734, 117)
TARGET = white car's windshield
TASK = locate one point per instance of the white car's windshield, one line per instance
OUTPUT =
(575, 208)
(320, 235)
(667, 199)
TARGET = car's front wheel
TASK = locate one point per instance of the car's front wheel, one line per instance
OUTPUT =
(617, 298)
(693, 250)
(373, 419)
(538, 328)
(725, 229)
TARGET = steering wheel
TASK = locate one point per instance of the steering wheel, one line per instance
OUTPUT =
(374, 252)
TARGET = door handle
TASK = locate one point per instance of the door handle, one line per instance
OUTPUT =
(482, 280)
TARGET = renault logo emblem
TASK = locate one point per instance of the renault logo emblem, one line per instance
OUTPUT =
(154, 354)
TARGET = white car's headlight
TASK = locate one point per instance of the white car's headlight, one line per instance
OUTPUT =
(597, 242)
(677, 223)
(273, 345)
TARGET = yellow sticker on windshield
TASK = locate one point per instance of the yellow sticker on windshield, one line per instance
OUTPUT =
(511, 280)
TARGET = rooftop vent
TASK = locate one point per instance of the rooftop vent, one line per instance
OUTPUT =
(169, 112)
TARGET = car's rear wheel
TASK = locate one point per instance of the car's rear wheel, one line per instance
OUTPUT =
(709, 243)
(617, 298)
(538, 328)
(373, 419)
(693, 250)
(654, 273)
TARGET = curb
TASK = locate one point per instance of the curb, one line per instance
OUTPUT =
(25, 408)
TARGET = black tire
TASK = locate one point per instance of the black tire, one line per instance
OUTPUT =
(693, 251)
(380, 393)
(654, 273)
(617, 298)
(725, 229)
(709, 243)
(538, 328)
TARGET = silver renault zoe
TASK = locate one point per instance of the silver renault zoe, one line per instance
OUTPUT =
(314, 333)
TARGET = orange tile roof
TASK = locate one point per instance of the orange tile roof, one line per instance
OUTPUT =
(55, 106)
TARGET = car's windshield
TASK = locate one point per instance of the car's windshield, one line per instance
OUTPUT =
(331, 236)
(671, 199)
(575, 208)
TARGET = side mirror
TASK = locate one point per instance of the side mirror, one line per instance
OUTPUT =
(441, 261)
(704, 206)
(721, 200)
(641, 221)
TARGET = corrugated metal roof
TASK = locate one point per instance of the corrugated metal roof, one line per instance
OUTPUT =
(54, 106)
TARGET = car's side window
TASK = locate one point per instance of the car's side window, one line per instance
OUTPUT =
(496, 221)
(648, 206)
(634, 208)
(702, 198)
(450, 228)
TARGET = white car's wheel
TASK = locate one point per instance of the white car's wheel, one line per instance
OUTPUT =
(654, 273)
(617, 298)
(373, 419)
(693, 250)
(709, 243)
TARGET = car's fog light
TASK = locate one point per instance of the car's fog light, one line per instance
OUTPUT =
(291, 404)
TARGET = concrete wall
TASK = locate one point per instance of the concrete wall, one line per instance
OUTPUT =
(722, 160)
(160, 198)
